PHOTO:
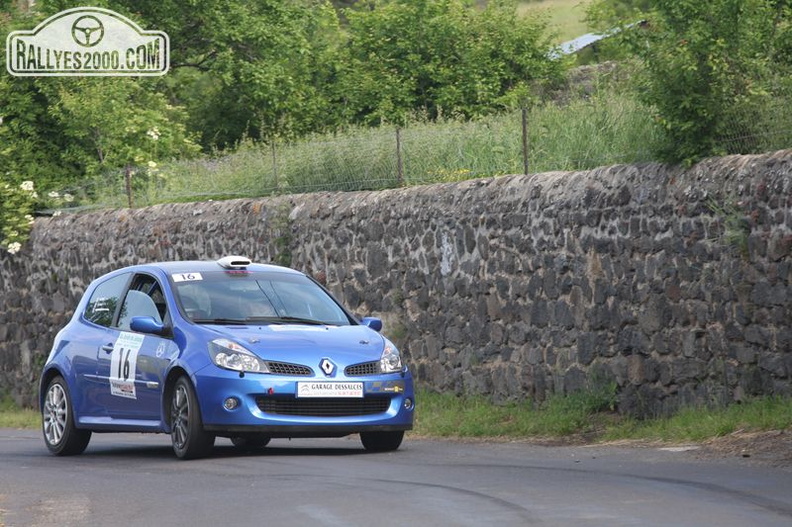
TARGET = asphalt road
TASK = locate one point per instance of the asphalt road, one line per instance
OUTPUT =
(132, 479)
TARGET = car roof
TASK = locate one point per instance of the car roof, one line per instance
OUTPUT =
(199, 266)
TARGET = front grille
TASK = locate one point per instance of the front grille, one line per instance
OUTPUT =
(284, 368)
(323, 407)
(364, 368)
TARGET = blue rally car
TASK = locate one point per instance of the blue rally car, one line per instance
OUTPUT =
(227, 348)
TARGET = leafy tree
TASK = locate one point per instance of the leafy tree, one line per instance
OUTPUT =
(708, 66)
(54, 131)
(29, 136)
(782, 36)
(241, 68)
(246, 68)
(604, 15)
(433, 57)
(113, 122)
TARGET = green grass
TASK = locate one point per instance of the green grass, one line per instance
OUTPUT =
(693, 424)
(586, 415)
(13, 417)
(595, 122)
(447, 415)
(604, 128)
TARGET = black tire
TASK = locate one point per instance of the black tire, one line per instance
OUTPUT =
(57, 421)
(250, 441)
(381, 441)
(188, 437)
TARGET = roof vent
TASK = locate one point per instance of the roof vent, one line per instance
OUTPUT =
(234, 262)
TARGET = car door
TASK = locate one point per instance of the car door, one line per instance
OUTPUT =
(131, 365)
(85, 345)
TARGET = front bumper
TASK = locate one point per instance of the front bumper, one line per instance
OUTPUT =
(268, 404)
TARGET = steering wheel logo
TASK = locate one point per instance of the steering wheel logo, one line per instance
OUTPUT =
(87, 31)
(86, 42)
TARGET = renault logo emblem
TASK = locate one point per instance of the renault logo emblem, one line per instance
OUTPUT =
(327, 366)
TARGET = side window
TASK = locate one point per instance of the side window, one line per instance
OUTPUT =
(144, 299)
(105, 299)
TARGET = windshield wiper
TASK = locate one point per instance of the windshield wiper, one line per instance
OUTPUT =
(225, 321)
(288, 320)
(262, 320)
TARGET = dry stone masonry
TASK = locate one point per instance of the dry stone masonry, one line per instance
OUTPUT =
(673, 284)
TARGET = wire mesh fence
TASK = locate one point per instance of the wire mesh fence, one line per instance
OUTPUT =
(600, 130)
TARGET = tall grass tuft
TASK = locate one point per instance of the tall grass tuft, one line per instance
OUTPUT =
(607, 127)
(603, 124)
(696, 424)
(447, 415)
(12, 416)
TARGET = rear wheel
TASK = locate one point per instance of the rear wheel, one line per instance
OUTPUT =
(188, 437)
(381, 441)
(57, 419)
(250, 441)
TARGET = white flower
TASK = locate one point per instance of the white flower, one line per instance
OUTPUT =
(27, 186)
(14, 247)
(53, 195)
(29, 219)
(56, 213)
(154, 133)
(152, 164)
(68, 198)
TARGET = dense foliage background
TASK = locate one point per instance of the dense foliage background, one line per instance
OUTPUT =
(266, 69)
(711, 70)
(257, 80)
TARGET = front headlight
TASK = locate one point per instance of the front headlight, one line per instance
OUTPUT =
(231, 356)
(390, 361)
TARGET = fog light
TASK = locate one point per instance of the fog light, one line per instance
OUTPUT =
(230, 403)
(408, 404)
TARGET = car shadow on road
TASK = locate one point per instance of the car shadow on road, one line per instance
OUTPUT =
(224, 450)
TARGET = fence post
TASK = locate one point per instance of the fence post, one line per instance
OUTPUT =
(274, 167)
(399, 166)
(128, 184)
(525, 140)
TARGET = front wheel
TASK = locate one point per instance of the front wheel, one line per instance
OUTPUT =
(57, 420)
(188, 437)
(381, 441)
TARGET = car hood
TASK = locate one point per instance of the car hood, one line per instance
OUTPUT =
(296, 342)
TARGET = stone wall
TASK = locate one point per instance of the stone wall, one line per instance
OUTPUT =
(673, 284)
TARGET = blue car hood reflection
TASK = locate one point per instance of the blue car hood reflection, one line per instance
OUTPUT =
(293, 342)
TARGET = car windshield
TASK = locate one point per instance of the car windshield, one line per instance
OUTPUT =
(253, 297)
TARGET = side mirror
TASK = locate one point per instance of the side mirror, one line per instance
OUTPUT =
(147, 325)
(372, 322)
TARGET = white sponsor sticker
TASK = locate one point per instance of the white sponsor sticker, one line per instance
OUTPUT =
(330, 389)
(187, 277)
(123, 365)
